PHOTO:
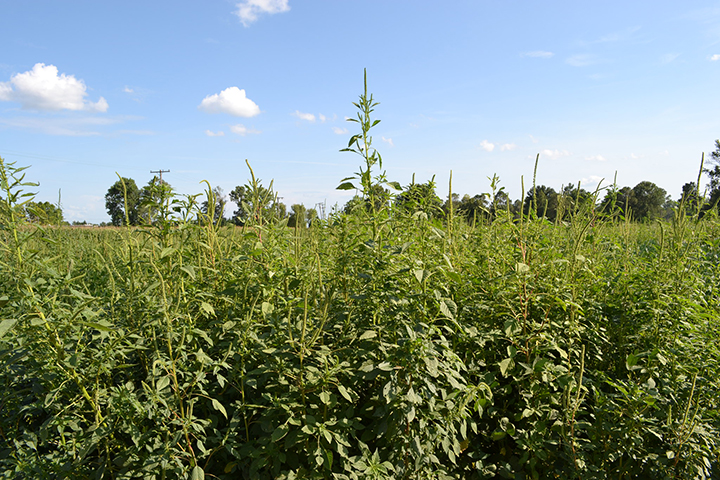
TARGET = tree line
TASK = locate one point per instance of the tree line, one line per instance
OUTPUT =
(646, 201)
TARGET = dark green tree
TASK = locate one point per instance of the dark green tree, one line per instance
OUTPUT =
(298, 216)
(420, 197)
(573, 199)
(44, 213)
(714, 174)
(153, 203)
(646, 201)
(115, 202)
(268, 206)
(380, 195)
(474, 209)
(544, 201)
(616, 201)
(689, 198)
(220, 200)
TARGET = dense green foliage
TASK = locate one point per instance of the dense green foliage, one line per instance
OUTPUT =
(391, 346)
(399, 339)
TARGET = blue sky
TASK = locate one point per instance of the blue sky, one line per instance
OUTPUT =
(91, 88)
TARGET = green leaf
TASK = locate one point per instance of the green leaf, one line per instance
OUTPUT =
(522, 268)
(162, 383)
(506, 365)
(197, 473)
(189, 270)
(207, 308)
(395, 185)
(448, 308)
(267, 308)
(219, 407)
(167, 251)
(346, 186)
(368, 334)
(6, 325)
(325, 398)
(279, 433)
(343, 391)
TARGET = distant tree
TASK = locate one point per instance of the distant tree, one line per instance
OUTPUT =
(689, 197)
(474, 209)
(312, 216)
(572, 199)
(501, 203)
(616, 201)
(714, 174)
(646, 201)
(420, 197)
(115, 202)
(220, 200)
(298, 216)
(544, 200)
(43, 213)
(380, 195)
(154, 197)
(268, 207)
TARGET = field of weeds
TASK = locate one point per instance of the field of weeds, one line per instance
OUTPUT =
(371, 345)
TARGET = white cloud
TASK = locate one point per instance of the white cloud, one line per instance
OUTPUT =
(596, 158)
(487, 146)
(554, 154)
(249, 10)
(507, 146)
(213, 134)
(43, 89)
(322, 118)
(591, 181)
(389, 141)
(581, 60)
(534, 140)
(309, 117)
(538, 54)
(242, 130)
(715, 58)
(669, 57)
(128, 90)
(340, 131)
(232, 101)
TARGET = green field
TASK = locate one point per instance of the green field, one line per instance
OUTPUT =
(393, 340)
(370, 345)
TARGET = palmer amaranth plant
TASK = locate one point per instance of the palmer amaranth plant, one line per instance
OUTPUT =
(381, 343)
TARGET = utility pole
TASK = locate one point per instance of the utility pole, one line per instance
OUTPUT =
(160, 172)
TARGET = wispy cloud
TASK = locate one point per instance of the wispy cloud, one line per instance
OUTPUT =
(669, 57)
(582, 60)
(214, 134)
(554, 154)
(340, 131)
(596, 158)
(232, 101)
(69, 126)
(538, 54)
(308, 117)
(242, 130)
(249, 10)
(507, 146)
(43, 89)
(389, 141)
(487, 146)
(128, 89)
(715, 58)
(534, 140)
(591, 181)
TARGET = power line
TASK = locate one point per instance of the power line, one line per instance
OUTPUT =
(160, 172)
